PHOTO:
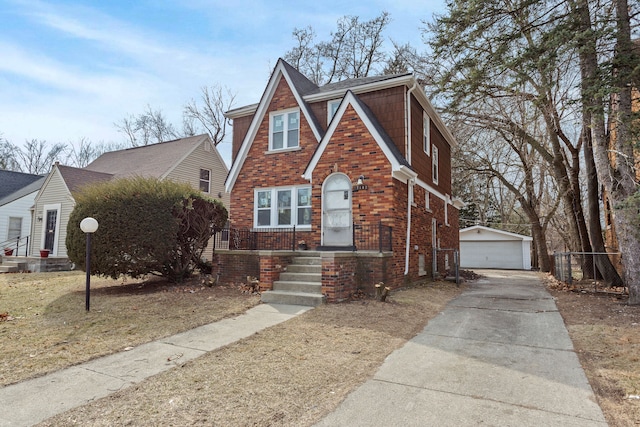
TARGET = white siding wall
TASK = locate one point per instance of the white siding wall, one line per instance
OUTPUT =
(189, 171)
(18, 209)
(54, 191)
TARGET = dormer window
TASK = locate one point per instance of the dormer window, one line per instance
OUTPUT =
(332, 107)
(284, 130)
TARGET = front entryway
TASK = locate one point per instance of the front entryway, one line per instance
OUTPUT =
(337, 223)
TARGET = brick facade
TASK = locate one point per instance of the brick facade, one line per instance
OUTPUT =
(353, 151)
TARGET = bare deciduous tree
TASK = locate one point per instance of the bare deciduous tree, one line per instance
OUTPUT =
(37, 156)
(8, 159)
(209, 113)
(354, 50)
(146, 128)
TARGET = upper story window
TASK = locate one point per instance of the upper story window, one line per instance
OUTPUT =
(434, 164)
(284, 130)
(426, 133)
(332, 107)
(427, 202)
(205, 180)
(282, 207)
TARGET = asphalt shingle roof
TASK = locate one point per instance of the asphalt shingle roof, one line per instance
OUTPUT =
(34, 186)
(11, 181)
(147, 161)
(76, 177)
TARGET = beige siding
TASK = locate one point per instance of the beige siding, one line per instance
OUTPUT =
(53, 192)
(188, 171)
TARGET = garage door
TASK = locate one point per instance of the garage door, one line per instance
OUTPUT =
(504, 254)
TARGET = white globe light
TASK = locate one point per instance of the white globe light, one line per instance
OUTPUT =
(89, 225)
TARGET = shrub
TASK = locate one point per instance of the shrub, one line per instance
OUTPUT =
(146, 226)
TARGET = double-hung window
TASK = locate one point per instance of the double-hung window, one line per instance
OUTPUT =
(332, 108)
(434, 164)
(426, 133)
(284, 130)
(205, 180)
(282, 207)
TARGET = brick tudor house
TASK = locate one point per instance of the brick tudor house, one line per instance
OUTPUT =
(356, 171)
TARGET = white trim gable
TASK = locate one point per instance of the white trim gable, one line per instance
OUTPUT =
(279, 71)
(54, 170)
(399, 171)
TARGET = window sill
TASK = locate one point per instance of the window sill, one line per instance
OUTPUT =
(282, 150)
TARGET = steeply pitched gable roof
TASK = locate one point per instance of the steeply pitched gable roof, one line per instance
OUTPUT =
(298, 84)
(399, 165)
(155, 160)
(13, 181)
(75, 178)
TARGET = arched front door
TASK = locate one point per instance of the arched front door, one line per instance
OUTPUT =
(337, 223)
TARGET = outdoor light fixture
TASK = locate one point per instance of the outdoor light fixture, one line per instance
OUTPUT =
(88, 226)
(360, 185)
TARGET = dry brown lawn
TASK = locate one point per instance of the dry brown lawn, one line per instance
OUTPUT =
(44, 325)
(290, 374)
(605, 331)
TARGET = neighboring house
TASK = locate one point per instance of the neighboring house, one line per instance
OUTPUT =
(11, 181)
(484, 247)
(358, 164)
(17, 193)
(193, 160)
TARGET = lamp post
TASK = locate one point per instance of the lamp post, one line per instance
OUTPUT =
(88, 226)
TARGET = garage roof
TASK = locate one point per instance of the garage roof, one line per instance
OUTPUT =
(481, 233)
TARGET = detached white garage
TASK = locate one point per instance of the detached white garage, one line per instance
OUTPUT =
(484, 247)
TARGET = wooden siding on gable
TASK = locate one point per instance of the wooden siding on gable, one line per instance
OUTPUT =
(388, 106)
(420, 161)
(53, 192)
(188, 171)
(239, 131)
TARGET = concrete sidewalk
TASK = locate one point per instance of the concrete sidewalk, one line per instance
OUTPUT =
(30, 402)
(498, 355)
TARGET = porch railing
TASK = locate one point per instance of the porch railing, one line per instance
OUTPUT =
(14, 246)
(366, 237)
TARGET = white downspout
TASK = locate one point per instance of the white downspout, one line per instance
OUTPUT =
(410, 181)
(408, 246)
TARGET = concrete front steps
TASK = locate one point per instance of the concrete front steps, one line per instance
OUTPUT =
(301, 284)
(9, 265)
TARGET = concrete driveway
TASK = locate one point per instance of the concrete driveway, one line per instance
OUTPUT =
(498, 355)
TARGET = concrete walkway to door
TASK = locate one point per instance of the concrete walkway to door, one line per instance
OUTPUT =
(498, 355)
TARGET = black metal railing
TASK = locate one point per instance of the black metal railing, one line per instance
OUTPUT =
(13, 246)
(372, 237)
(366, 237)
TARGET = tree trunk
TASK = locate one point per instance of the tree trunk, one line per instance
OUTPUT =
(602, 262)
(544, 263)
(586, 43)
(618, 173)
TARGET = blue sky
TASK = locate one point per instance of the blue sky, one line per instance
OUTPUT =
(70, 69)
